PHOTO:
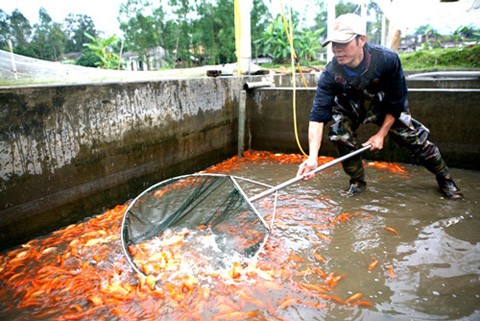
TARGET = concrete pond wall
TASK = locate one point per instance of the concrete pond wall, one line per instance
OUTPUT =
(452, 116)
(69, 151)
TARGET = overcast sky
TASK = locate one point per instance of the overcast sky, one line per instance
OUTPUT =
(410, 14)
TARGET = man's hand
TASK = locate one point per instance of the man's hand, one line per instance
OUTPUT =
(315, 133)
(376, 142)
(306, 167)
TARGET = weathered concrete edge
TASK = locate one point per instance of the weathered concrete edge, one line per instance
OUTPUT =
(450, 114)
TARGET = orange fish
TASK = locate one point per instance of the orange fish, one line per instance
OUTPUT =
(305, 272)
(77, 308)
(390, 272)
(364, 304)
(150, 281)
(96, 300)
(287, 302)
(272, 285)
(234, 273)
(237, 315)
(342, 218)
(254, 301)
(392, 168)
(335, 298)
(316, 288)
(324, 237)
(296, 258)
(318, 257)
(391, 230)
(333, 279)
(372, 265)
(354, 297)
(320, 272)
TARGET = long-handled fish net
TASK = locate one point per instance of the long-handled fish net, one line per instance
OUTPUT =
(207, 213)
(207, 218)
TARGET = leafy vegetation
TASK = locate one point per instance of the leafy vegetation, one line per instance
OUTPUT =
(442, 58)
(102, 48)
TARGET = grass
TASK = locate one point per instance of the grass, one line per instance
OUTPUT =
(442, 59)
(467, 58)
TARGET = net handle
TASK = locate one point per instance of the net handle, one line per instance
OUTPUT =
(301, 177)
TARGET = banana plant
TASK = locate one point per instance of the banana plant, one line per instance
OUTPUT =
(102, 48)
(274, 42)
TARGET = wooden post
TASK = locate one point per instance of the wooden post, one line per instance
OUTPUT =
(14, 68)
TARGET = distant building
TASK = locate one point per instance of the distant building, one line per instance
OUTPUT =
(69, 58)
(262, 59)
(153, 60)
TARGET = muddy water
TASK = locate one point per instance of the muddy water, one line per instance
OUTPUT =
(434, 259)
(321, 252)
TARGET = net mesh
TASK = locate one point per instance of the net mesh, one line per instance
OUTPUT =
(210, 202)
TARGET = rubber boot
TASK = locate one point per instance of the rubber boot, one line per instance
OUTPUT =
(448, 187)
(356, 186)
(353, 167)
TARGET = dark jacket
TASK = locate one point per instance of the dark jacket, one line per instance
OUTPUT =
(378, 78)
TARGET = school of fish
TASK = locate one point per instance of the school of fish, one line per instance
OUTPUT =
(80, 272)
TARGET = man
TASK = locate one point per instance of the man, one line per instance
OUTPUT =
(365, 84)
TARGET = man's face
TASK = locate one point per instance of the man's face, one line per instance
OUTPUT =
(351, 53)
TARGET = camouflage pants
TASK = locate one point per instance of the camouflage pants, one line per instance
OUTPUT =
(408, 133)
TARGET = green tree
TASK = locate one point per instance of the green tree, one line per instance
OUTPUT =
(373, 28)
(181, 10)
(4, 29)
(48, 42)
(260, 19)
(320, 20)
(205, 31)
(222, 18)
(75, 27)
(274, 41)
(88, 58)
(307, 44)
(430, 35)
(348, 7)
(467, 33)
(143, 26)
(169, 39)
(21, 30)
(193, 32)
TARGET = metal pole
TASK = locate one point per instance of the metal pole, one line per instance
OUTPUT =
(299, 178)
(241, 123)
(242, 10)
(330, 19)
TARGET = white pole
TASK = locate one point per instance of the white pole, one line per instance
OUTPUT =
(330, 19)
(14, 67)
(363, 13)
(244, 46)
(363, 10)
(384, 30)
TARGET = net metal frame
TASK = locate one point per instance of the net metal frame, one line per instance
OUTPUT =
(235, 180)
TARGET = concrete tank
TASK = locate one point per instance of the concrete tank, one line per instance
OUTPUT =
(68, 151)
